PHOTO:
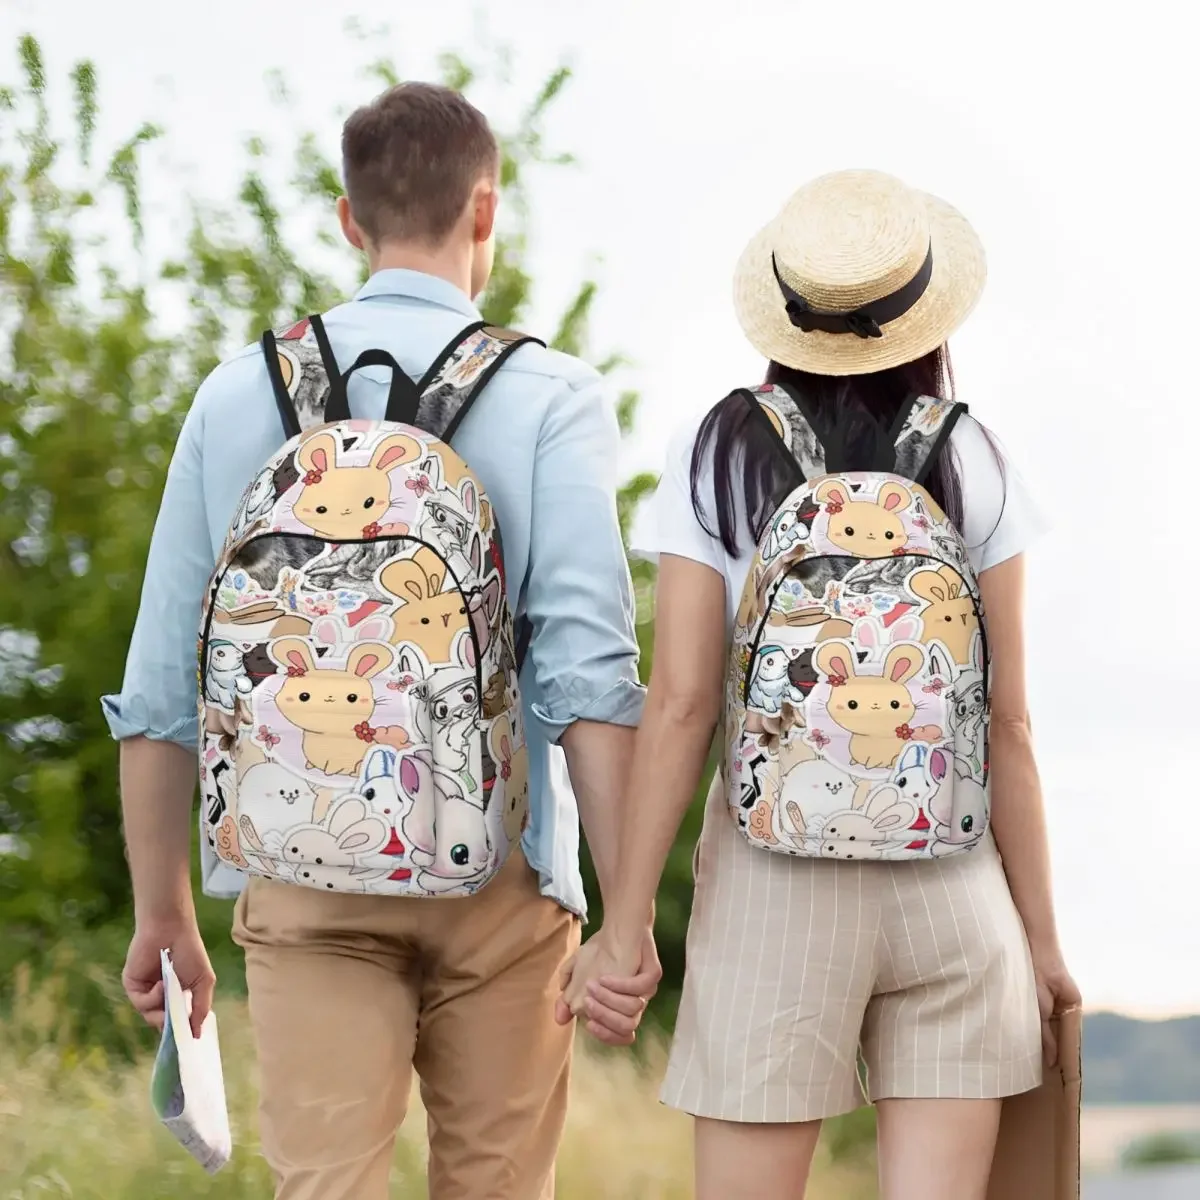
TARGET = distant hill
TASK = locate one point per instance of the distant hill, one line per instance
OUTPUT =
(1126, 1061)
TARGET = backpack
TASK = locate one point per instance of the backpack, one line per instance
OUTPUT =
(857, 696)
(360, 713)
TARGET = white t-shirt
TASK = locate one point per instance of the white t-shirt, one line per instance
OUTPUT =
(1000, 518)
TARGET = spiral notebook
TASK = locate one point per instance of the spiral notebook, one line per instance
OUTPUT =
(187, 1089)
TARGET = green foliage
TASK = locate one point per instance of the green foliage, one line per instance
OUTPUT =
(92, 390)
(1162, 1149)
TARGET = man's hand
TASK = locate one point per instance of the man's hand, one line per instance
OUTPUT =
(142, 977)
(610, 987)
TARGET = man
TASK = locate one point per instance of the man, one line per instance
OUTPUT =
(348, 993)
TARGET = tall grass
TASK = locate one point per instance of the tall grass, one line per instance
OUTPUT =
(77, 1123)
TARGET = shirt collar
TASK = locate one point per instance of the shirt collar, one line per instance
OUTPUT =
(397, 281)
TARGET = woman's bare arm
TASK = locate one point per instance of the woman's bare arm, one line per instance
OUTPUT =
(1018, 814)
(683, 703)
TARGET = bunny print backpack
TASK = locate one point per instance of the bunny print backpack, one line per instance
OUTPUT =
(856, 710)
(360, 716)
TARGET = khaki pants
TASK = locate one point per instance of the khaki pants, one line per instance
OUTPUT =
(349, 993)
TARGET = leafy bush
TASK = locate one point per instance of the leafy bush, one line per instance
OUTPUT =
(1162, 1149)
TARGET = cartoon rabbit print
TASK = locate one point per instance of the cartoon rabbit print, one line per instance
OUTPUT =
(787, 530)
(346, 503)
(428, 614)
(332, 706)
(968, 710)
(865, 528)
(769, 682)
(449, 517)
(949, 612)
(871, 831)
(512, 769)
(960, 814)
(874, 709)
(330, 855)
(446, 831)
(454, 707)
(920, 773)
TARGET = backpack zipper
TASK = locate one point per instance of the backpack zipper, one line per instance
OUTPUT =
(227, 560)
(976, 607)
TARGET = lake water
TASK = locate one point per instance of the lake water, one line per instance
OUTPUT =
(1159, 1183)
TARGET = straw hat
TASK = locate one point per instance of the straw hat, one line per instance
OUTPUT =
(859, 272)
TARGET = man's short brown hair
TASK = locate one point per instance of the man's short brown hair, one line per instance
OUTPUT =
(410, 159)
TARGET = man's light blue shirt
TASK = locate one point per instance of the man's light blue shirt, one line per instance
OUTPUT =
(544, 441)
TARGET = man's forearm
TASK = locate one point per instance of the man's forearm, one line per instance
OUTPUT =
(158, 780)
(598, 758)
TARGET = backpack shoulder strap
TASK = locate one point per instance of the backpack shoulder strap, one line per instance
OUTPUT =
(304, 375)
(458, 375)
(451, 385)
(922, 428)
(310, 388)
(782, 412)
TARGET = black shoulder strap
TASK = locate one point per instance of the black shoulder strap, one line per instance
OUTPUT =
(451, 385)
(783, 413)
(922, 428)
(310, 389)
(460, 373)
(304, 376)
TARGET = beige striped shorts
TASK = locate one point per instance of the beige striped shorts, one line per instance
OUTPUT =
(813, 983)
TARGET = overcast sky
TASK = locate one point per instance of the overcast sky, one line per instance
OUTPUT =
(1068, 139)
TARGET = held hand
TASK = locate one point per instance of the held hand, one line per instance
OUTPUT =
(142, 977)
(610, 987)
(1056, 992)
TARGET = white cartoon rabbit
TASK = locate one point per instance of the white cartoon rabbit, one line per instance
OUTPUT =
(336, 633)
(919, 773)
(378, 789)
(330, 855)
(446, 832)
(872, 634)
(769, 683)
(960, 813)
(257, 503)
(882, 825)
(225, 677)
(786, 531)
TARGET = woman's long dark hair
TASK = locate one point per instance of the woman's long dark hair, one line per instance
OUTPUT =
(745, 460)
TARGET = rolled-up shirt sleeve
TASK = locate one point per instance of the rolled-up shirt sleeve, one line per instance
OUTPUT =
(579, 596)
(158, 698)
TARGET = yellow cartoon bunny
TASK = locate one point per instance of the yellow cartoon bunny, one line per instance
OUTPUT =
(344, 503)
(427, 616)
(865, 528)
(875, 709)
(949, 614)
(331, 705)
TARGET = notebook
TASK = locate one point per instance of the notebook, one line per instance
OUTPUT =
(1037, 1153)
(187, 1089)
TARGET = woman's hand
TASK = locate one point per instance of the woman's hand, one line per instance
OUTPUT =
(1056, 992)
(609, 986)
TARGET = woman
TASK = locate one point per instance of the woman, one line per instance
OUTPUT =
(935, 960)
